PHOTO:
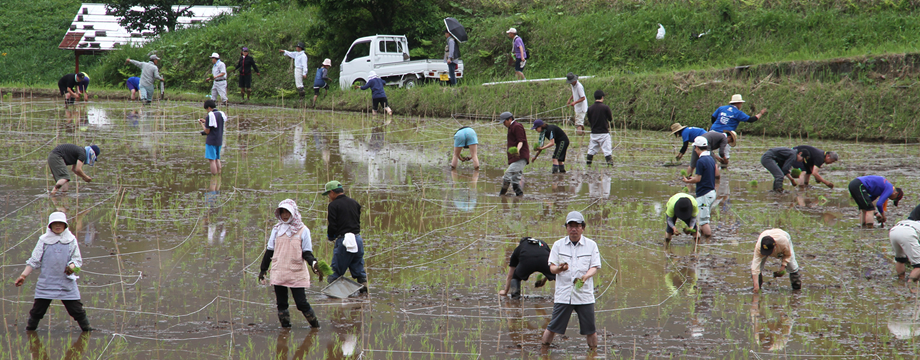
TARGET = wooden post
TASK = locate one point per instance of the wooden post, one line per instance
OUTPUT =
(76, 54)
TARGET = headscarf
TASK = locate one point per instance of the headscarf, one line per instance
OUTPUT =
(294, 224)
(90, 156)
(372, 75)
(49, 237)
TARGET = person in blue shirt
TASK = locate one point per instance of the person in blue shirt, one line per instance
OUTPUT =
(728, 117)
(705, 179)
(378, 96)
(322, 80)
(687, 133)
(134, 84)
(865, 190)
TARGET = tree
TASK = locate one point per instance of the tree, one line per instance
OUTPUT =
(342, 21)
(156, 15)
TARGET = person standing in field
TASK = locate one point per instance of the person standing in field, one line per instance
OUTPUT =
(556, 137)
(775, 243)
(451, 55)
(69, 85)
(705, 180)
(344, 230)
(149, 74)
(905, 243)
(575, 260)
(246, 65)
(133, 84)
(715, 140)
(728, 117)
(322, 80)
(290, 254)
(813, 159)
(518, 154)
(600, 117)
(378, 95)
(518, 52)
(530, 256)
(578, 101)
(778, 161)
(66, 155)
(219, 78)
(465, 137)
(681, 206)
(58, 255)
(865, 190)
(300, 66)
(213, 128)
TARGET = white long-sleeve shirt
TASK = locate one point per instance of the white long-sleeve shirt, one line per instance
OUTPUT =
(300, 60)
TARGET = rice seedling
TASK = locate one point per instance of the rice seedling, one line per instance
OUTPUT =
(579, 283)
(795, 172)
(324, 268)
(683, 173)
(513, 150)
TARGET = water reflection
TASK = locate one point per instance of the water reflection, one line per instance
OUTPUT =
(216, 229)
(775, 333)
(97, 116)
(298, 155)
(74, 352)
(464, 193)
(906, 324)
(282, 349)
(386, 163)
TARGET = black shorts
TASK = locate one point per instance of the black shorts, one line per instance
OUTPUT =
(519, 65)
(245, 81)
(561, 148)
(317, 89)
(525, 269)
(862, 197)
(63, 87)
(562, 313)
(380, 101)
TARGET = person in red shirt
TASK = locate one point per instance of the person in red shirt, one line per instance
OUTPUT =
(518, 154)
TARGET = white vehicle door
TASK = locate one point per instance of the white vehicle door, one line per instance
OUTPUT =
(358, 61)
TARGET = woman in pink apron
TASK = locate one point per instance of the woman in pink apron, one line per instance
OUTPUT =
(290, 253)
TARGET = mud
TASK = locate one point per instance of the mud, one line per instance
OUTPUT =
(171, 253)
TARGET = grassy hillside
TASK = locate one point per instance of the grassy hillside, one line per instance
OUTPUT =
(31, 32)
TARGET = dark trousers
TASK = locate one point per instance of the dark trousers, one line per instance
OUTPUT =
(300, 298)
(452, 71)
(74, 308)
(343, 260)
(768, 160)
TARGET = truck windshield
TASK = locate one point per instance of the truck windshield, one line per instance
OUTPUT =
(359, 50)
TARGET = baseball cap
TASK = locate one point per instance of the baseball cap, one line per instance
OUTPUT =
(915, 214)
(245, 49)
(332, 185)
(95, 149)
(537, 123)
(505, 116)
(215, 55)
(301, 45)
(700, 141)
(766, 245)
(683, 208)
(598, 94)
(571, 78)
(511, 31)
(575, 216)
(154, 57)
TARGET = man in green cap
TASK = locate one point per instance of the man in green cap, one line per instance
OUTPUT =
(344, 217)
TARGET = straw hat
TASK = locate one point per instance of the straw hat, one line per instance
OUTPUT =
(736, 99)
(732, 137)
(675, 127)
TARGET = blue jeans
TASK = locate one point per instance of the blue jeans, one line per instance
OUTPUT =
(343, 260)
(452, 70)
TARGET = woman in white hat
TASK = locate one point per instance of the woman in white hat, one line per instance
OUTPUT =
(322, 79)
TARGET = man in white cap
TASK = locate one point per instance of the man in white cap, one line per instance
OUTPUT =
(575, 260)
(578, 101)
(518, 52)
(300, 66)
(219, 77)
(727, 118)
(322, 80)
(149, 73)
(705, 180)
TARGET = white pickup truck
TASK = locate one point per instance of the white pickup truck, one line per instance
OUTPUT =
(388, 56)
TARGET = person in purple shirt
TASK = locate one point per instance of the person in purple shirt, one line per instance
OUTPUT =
(866, 189)
(518, 51)
(687, 134)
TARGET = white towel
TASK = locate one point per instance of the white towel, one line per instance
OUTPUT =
(350, 244)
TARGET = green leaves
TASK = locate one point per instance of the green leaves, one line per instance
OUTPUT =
(579, 283)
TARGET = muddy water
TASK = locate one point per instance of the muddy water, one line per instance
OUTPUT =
(171, 253)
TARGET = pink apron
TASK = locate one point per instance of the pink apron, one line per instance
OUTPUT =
(288, 267)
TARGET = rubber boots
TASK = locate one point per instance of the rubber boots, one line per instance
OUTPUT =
(517, 190)
(609, 159)
(505, 186)
(555, 169)
(32, 324)
(515, 289)
(364, 288)
(796, 280)
(589, 158)
(285, 317)
(84, 324)
(562, 169)
(760, 280)
(311, 318)
(301, 92)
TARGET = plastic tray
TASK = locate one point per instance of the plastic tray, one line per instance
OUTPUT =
(342, 288)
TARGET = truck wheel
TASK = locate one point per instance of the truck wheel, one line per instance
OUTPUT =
(358, 83)
(410, 82)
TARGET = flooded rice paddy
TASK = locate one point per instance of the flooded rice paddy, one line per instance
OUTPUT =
(171, 253)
